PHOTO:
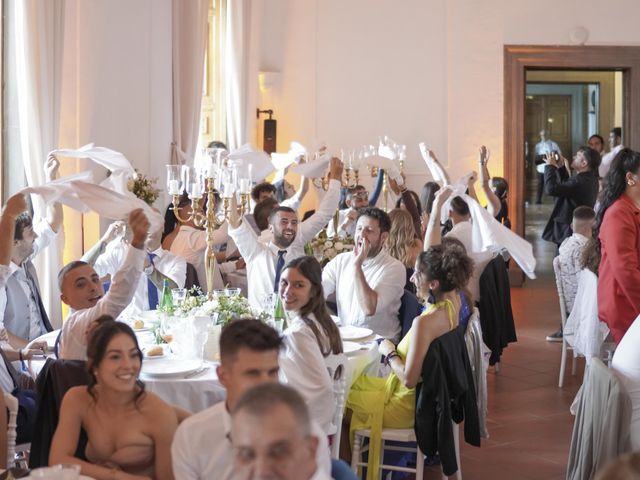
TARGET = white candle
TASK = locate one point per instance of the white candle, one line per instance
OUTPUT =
(245, 185)
(227, 190)
(250, 171)
(196, 190)
(174, 187)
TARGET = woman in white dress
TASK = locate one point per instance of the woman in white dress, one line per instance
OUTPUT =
(310, 337)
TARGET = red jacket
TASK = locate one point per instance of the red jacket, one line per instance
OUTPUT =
(619, 281)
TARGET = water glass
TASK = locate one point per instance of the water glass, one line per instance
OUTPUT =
(232, 292)
(48, 473)
(70, 471)
(178, 295)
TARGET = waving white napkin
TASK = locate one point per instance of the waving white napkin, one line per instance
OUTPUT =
(247, 154)
(314, 169)
(61, 191)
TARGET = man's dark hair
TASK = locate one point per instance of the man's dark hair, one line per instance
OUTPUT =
(384, 222)
(259, 401)
(24, 220)
(599, 137)
(353, 190)
(247, 333)
(262, 212)
(67, 268)
(584, 213)
(592, 156)
(617, 131)
(459, 206)
(260, 188)
(280, 209)
(217, 144)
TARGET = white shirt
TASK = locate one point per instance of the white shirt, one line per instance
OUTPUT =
(45, 236)
(303, 365)
(261, 259)
(348, 230)
(73, 338)
(463, 231)
(570, 253)
(170, 265)
(545, 147)
(384, 274)
(607, 158)
(201, 449)
(191, 244)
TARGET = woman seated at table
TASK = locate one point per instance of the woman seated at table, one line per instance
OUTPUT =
(310, 337)
(129, 430)
(378, 403)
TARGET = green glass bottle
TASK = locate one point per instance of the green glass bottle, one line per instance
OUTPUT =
(166, 302)
(279, 318)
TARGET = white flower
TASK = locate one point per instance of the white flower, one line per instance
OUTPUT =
(330, 253)
(328, 244)
(339, 246)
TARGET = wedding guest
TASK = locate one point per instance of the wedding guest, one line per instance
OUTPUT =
(310, 337)
(201, 448)
(615, 145)
(23, 312)
(403, 243)
(495, 189)
(368, 282)
(570, 253)
(82, 290)
(427, 195)
(107, 256)
(261, 214)
(378, 403)
(268, 419)
(618, 230)
(570, 192)
(265, 262)
(545, 148)
(129, 430)
(597, 143)
(408, 200)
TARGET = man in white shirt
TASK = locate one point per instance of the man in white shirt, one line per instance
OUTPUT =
(615, 145)
(544, 147)
(159, 264)
(357, 198)
(23, 313)
(368, 282)
(265, 261)
(201, 447)
(270, 419)
(81, 289)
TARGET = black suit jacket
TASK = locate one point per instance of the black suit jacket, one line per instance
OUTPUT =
(570, 192)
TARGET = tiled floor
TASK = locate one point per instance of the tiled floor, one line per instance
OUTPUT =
(529, 421)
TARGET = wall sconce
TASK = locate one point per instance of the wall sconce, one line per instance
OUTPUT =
(269, 131)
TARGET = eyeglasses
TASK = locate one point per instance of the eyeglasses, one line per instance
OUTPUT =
(364, 194)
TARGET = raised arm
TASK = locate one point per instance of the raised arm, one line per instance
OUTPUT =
(54, 210)
(114, 231)
(438, 172)
(14, 207)
(493, 202)
(433, 236)
(377, 188)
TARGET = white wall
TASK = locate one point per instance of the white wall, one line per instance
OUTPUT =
(416, 70)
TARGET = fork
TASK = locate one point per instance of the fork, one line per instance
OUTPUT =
(197, 372)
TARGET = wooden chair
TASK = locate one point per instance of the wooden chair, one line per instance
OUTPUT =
(557, 270)
(337, 367)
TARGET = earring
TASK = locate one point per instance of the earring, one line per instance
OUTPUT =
(631, 183)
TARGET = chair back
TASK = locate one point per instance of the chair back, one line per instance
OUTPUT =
(479, 360)
(557, 270)
(337, 368)
(11, 403)
(409, 309)
(191, 280)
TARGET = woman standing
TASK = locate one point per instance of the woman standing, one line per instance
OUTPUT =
(311, 336)
(618, 232)
(129, 430)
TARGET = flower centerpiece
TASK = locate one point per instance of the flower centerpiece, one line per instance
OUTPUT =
(325, 248)
(144, 188)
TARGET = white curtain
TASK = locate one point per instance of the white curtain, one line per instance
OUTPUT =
(189, 45)
(236, 45)
(39, 46)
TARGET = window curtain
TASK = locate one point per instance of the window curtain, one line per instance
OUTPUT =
(189, 35)
(39, 46)
(236, 45)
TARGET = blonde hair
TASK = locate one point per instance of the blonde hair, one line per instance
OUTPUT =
(403, 244)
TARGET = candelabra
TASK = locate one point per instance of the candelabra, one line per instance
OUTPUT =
(182, 178)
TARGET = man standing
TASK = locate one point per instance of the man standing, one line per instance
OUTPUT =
(201, 447)
(368, 282)
(272, 437)
(570, 192)
(265, 261)
(545, 147)
(615, 145)
(597, 143)
(24, 315)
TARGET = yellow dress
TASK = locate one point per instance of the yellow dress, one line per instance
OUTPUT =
(379, 403)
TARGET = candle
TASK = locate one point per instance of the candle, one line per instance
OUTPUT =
(227, 190)
(196, 190)
(250, 173)
(174, 187)
(245, 185)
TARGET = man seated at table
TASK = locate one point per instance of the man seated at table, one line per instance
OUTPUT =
(201, 447)
(269, 419)
(265, 262)
(368, 283)
(21, 308)
(82, 290)
(159, 265)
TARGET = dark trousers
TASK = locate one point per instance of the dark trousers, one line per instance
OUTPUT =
(540, 187)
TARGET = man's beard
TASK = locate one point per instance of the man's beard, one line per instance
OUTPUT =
(283, 241)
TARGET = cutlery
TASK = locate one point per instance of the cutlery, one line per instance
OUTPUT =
(196, 372)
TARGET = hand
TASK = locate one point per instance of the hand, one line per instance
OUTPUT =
(550, 159)
(394, 186)
(361, 251)
(442, 196)
(234, 217)
(240, 264)
(139, 225)
(15, 206)
(116, 229)
(386, 347)
(51, 168)
(473, 176)
(38, 345)
(29, 353)
(483, 155)
(335, 169)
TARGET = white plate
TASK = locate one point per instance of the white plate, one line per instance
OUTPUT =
(143, 329)
(170, 367)
(350, 347)
(349, 332)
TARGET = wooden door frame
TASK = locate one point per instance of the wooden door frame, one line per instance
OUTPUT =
(519, 58)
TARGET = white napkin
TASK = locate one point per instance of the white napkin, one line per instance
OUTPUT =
(314, 169)
(61, 191)
(260, 161)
